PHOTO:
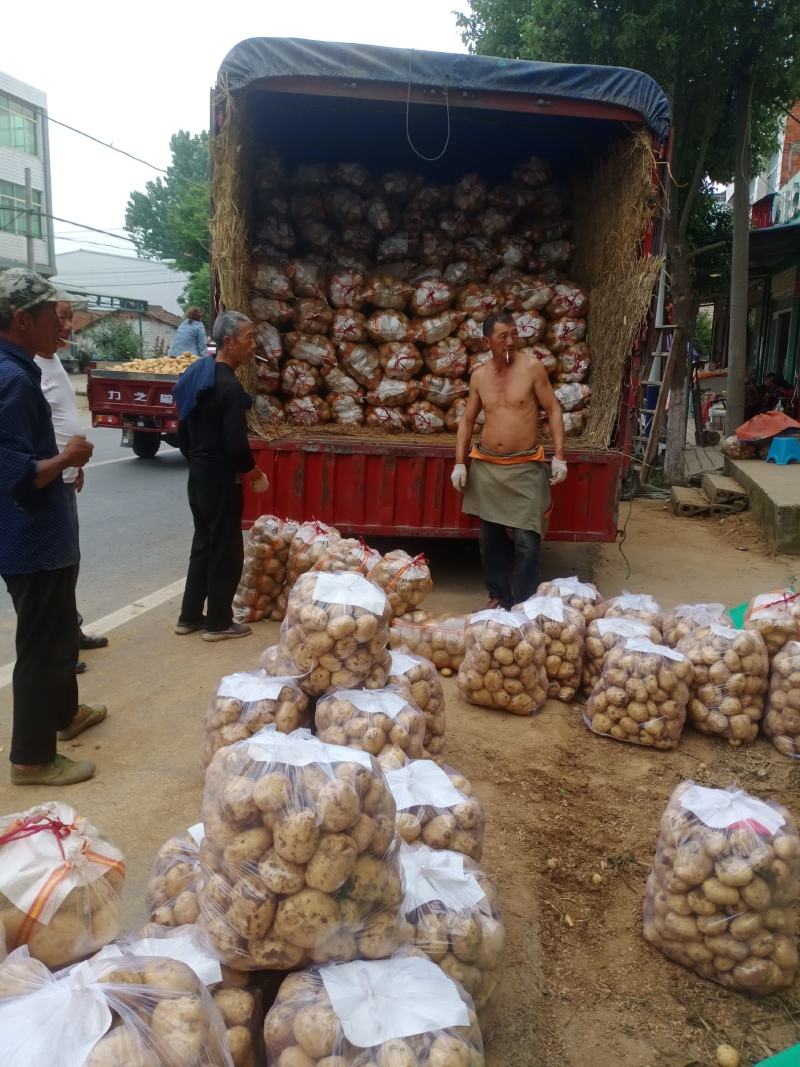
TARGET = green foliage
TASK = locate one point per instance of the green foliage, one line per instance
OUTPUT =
(197, 292)
(703, 331)
(116, 339)
(710, 227)
(170, 219)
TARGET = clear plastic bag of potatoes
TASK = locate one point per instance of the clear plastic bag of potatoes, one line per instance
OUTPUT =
(504, 662)
(336, 631)
(730, 679)
(439, 638)
(171, 893)
(451, 912)
(782, 718)
(776, 616)
(310, 543)
(136, 1011)
(684, 619)
(262, 587)
(299, 858)
(604, 634)
(419, 678)
(720, 898)
(403, 1012)
(348, 554)
(247, 701)
(583, 596)
(564, 631)
(635, 606)
(384, 722)
(60, 884)
(437, 807)
(406, 580)
(641, 695)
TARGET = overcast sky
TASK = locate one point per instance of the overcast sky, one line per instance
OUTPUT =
(133, 74)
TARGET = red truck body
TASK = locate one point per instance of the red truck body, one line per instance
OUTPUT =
(141, 405)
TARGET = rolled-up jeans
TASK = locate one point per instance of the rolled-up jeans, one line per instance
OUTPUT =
(511, 562)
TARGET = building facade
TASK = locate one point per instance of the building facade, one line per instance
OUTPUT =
(24, 146)
(109, 274)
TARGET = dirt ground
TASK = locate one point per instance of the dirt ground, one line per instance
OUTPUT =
(582, 987)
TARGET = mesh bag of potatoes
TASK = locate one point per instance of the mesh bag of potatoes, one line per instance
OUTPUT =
(686, 618)
(503, 665)
(171, 893)
(452, 914)
(405, 580)
(564, 630)
(439, 638)
(60, 884)
(247, 701)
(721, 895)
(348, 554)
(120, 1011)
(437, 807)
(604, 634)
(401, 1012)
(582, 596)
(336, 631)
(782, 718)
(641, 695)
(299, 859)
(384, 722)
(417, 676)
(730, 678)
(311, 542)
(262, 588)
(635, 606)
(776, 616)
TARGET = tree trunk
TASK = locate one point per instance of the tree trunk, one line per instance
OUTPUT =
(682, 297)
(737, 337)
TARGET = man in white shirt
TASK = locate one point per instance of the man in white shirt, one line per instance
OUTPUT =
(59, 394)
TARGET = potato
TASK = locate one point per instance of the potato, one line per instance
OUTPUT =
(782, 718)
(438, 638)
(635, 606)
(641, 695)
(564, 631)
(384, 722)
(582, 596)
(728, 924)
(438, 805)
(726, 699)
(686, 618)
(776, 616)
(405, 580)
(496, 640)
(262, 588)
(417, 676)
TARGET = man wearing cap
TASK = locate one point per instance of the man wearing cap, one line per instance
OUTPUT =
(39, 543)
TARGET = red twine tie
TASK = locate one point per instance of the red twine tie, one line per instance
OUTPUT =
(36, 825)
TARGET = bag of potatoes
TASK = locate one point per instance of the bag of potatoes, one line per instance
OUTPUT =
(120, 1011)
(400, 1012)
(310, 543)
(437, 807)
(439, 638)
(686, 618)
(721, 895)
(564, 630)
(348, 554)
(384, 722)
(583, 596)
(246, 702)
(418, 677)
(262, 588)
(604, 634)
(405, 580)
(336, 631)
(782, 719)
(776, 616)
(731, 676)
(641, 695)
(503, 665)
(452, 914)
(635, 606)
(60, 884)
(299, 859)
(171, 893)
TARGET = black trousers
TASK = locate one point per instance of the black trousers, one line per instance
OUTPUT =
(215, 562)
(501, 553)
(44, 684)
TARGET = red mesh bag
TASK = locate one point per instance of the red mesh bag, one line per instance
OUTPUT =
(346, 289)
(388, 325)
(361, 362)
(431, 296)
(443, 391)
(299, 378)
(435, 329)
(348, 325)
(400, 359)
(392, 393)
(308, 279)
(424, 417)
(393, 420)
(569, 302)
(387, 291)
(313, 348)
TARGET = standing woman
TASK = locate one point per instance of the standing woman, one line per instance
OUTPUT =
(212, 434)
(190, 335)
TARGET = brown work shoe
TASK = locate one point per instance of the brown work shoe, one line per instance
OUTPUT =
(236, 629)
(86, 716)
(62, 771)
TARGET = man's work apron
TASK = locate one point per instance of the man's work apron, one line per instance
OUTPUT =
(512, 490)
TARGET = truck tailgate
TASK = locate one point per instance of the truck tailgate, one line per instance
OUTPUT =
(111, 392)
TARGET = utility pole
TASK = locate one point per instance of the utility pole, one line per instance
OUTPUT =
(29, 217)
(737, 336)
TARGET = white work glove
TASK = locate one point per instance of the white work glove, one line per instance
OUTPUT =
(259, 484)
(558, 469)
(459, 477)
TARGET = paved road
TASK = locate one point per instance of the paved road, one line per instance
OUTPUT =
(135, 530)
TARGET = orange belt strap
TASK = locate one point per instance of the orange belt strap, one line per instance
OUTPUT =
(537, 456)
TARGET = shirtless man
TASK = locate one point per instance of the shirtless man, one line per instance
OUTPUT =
(507, 484)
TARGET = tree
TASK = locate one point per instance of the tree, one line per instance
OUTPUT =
(197, 292)
(699, 51)
(116, 339)
(703, 332)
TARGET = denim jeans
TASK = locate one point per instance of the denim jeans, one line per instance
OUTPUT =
(501, 554)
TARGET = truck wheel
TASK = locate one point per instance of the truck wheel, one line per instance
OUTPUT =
(145, 445)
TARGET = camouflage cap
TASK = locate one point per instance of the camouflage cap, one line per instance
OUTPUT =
(21, 289)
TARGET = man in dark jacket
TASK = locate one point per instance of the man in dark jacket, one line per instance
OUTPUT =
(213, 436)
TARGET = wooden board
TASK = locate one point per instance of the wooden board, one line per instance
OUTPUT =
(720, 489)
